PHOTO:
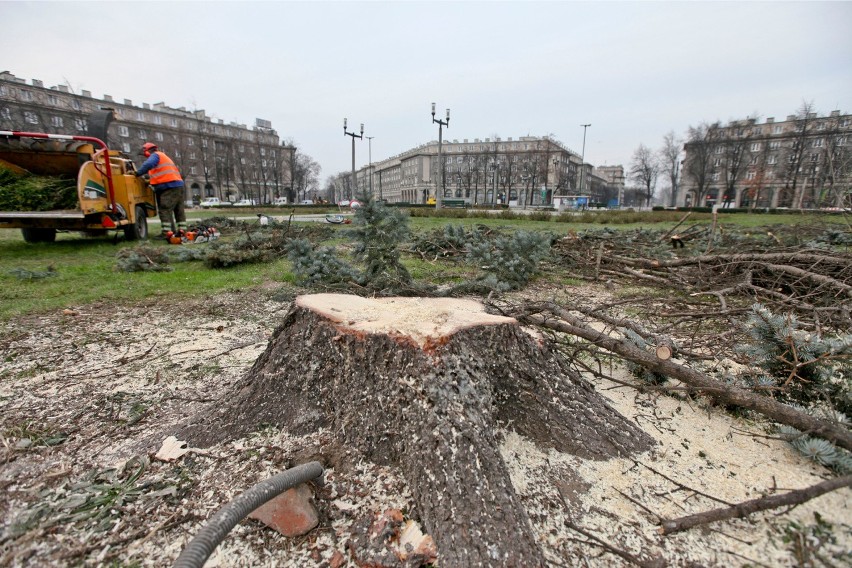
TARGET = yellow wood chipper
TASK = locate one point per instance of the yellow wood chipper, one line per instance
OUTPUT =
(109, 196)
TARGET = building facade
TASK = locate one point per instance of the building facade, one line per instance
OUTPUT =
(229, 161)
(527, 171)
(801, 162)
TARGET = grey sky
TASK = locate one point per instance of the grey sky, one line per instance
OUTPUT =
(634, 70)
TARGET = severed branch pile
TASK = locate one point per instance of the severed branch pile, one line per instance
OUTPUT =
(815, 283)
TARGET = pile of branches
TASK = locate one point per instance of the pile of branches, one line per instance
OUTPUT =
(26, 192)
(813, 281)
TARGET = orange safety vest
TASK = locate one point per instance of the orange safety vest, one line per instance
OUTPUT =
(165, 172)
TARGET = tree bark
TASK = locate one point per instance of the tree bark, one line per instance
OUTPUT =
(431, 403)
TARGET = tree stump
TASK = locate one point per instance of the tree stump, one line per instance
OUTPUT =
(426, 385)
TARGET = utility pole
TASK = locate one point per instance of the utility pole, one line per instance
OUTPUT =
(370, 150)
(583, 160)
(354, 136)
(441, 123)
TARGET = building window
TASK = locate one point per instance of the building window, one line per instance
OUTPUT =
(204, 142)
(192, 155)
(30, 117)
(755, 147)
(719, 149)
(3, 90)
(75, 104)
(140, 116)
(26, 95)
(751, 175)
(173, 122)
(193, 170)
(123, 131)
(52, 100)
(774, 145)
(818, 143)
(772, 160)
(242, 160)
(158, 136)
(190, 141)
(717, 162)
(80, 124)
(56, 121)
(814, 157)
(715, 176)
(158, 119)
(5, 114)
(142, 134)
(125, 146)
(777, 129)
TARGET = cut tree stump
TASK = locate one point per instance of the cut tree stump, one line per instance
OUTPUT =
(426, 385)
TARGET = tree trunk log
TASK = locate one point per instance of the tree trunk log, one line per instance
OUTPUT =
(427, 392)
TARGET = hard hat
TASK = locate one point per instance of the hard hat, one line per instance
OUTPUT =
(148, 147)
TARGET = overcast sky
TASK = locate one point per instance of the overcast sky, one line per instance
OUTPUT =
(633, 70)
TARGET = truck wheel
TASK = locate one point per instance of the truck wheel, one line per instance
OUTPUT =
(139, 229)
(34, 235)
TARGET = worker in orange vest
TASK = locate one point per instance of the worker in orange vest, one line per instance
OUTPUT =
(168, 186)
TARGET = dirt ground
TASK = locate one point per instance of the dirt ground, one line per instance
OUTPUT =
(87, 395)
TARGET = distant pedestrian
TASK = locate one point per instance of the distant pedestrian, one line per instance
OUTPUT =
(168, 186)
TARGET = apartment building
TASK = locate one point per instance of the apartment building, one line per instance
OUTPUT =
(229, 161)
(801, 162)
(525, 171)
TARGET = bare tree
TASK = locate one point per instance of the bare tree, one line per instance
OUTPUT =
(669, 156)
(735, 146)
(644, 170)
(795, 174)
(698, 168)
(835, 165)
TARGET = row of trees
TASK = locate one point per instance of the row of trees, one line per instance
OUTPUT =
(803, 162)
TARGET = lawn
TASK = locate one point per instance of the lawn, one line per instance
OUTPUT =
(76, 270)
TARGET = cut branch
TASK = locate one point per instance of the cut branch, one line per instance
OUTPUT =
(722, 392)
(746, 508)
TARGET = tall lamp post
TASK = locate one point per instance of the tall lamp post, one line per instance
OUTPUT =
(370, 151)
(354, 136)
(441, 125)
(583, 160)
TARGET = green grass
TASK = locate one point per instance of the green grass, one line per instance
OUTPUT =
(85, 273)
(85, 267)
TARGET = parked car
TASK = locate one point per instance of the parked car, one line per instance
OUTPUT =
(214, 202)
(280, 201)
(307, 202)
(244, 203)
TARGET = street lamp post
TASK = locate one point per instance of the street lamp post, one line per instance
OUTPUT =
(370, 151)
(441, 124)
(354, 136)
(583, 160)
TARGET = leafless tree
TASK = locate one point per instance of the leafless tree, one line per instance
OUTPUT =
(702, 141)
(835, 165)
(669, 159)
(644, 170)
(735, 155)
(796, 172)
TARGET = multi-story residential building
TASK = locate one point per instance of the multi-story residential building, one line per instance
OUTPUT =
(801, 162)
(229, 161)
(523, 171)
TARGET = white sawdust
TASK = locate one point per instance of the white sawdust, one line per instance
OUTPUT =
(70, 370)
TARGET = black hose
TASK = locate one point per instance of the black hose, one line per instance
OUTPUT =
(217, 528)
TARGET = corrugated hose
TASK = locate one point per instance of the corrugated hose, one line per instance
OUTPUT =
(219, 525)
